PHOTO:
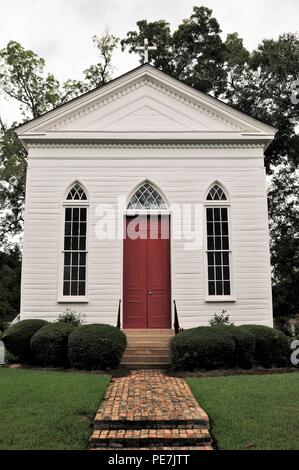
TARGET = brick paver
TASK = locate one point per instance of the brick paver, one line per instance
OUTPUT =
(150, 410)
(151, 396)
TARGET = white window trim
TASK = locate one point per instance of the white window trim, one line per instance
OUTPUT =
(74, 299)
(219, 298)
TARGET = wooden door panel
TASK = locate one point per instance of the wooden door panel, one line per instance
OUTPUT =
(146, 281)
(159, 275)
(135, 282)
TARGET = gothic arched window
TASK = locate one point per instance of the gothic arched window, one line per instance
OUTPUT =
(216, 193)
(218, 242)
(75, 247)
(147, 197)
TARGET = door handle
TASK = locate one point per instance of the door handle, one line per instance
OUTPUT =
(149, 292)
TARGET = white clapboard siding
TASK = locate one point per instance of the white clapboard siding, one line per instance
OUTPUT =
(183, 179)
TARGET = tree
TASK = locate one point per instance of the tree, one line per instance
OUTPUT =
(100, 73)
(10, 278)
(23, 78)
(284, 224)
(12, 184)
(194, 53)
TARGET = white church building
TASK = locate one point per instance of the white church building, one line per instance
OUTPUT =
(141, 193)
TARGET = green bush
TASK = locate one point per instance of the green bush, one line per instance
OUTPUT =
(17, 338)
(72, 317)
(244, 345)
(272, 346)
(96, 346)
(204, 347)
(49, 344)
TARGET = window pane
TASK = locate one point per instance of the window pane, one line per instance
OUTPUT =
(66, 288)
(75, 257)
(217, 243)
(82, 228)
(68, 214)
(225, 243)
(82, 243)
(211, 288)
(67, 243)
(218, 259)
(82, 259)
(209, 214)
(217, 228)
(211, 259)
(210, 229)
(82, 274)
(226, 288)
(74, 273)
(210, 243)
(224, 228)
(83, 213)
(76, 214)
(67, 274)
(225, 257)
(75, 228)
(74, 286)
(218, 273)
(67, 259)
(211, 274)
(81, 288)
(226, 272)
(219, 288)
(216, 214)
(224, 213)
(68, 226)
(75, 243)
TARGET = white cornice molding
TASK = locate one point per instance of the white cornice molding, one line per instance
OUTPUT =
(148, 145)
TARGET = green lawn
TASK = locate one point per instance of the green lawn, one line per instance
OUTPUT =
(48, 410)
(251, 412)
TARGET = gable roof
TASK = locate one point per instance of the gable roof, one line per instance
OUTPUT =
(145, 103)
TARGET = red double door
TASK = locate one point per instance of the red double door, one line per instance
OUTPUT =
(146, 273)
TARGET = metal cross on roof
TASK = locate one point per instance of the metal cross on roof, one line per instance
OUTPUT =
(146, 48)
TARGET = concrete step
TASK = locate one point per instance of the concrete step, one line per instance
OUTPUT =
(140, 351)
(143, 359)
(150, 438)
(149, 332)
(148, 343)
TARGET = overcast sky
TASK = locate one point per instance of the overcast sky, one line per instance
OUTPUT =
(61, 30)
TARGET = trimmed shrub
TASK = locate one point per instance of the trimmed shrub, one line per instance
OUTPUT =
(49, 344)
(272, 346)
(17, 338)
(96, 346)
(244, 345)
(204, 347)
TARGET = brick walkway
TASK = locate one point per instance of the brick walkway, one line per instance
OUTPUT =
(149, 409)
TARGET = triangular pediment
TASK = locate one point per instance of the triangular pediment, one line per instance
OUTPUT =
(148, 102)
